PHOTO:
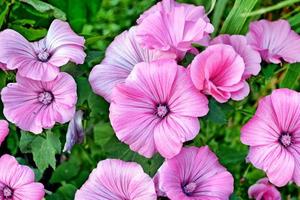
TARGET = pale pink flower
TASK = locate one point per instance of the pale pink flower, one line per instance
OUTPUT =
(41, 60)
(173, 27)
(195, 173)
(17, 181)
(275, 41)
(218, 71)
(262, 189)
(156, 109)
(273, 136)
(34, 105)
(4, 130)
(117, 180)
(120, 58)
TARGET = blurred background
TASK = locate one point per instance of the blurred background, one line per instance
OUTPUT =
(99, 21)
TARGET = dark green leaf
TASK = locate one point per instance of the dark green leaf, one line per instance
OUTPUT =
(292, 76)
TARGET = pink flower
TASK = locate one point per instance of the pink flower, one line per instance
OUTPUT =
(41, 60)
(173, 27)
(273, 136)
(275, 41)
(251, 57)
(34, 105)
(120, 57)
(195, 173)
(17, 181)
(262, 189)
(3, 66)
(156, 109)
(4, 130)
(218, 71)
(115, 179)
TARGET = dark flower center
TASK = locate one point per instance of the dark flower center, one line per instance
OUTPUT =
(7, 192)
(162, 110)
(189, 188)
(286, 139)
(46, 97)
(43, 55)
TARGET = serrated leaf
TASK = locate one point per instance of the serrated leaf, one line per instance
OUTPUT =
(46, 8)
(235, 20)
(44, 150)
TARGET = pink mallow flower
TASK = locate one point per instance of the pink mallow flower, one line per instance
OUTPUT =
(17, 181)
(4, 130)
(156, 109)
(218, 71)
(34, 105)
(273, 135)
(41, 60)
(263, 189)
(117, 180)
(275, 41)
(120, 58)
(173, 27)
(194, 173)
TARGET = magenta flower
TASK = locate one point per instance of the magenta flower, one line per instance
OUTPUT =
(41, 60)
(173, 27)
(117, 180)
(218, 71)
(156, 109)
(34, 105)
(120, 58)
(17, 181)
(273, 136)
(4, 130)
(195, 173)
(275, 41)
(251, 57)
(262, 189)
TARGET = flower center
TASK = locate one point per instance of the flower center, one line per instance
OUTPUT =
(285, 139)
(46, 98)
(43, 55)
(7, 192)
(162, 110)
(189, 188)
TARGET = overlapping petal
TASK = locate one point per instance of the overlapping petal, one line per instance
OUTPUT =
(117, 180)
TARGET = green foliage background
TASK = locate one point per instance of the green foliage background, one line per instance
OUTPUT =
(99, 21)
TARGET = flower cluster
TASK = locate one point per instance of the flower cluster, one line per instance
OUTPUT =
(41, 96)
(155, 104)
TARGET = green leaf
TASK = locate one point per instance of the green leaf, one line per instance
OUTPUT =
(103, 133)
(216, 114)
(65, 192)
(66, 171)
(291, 77)
(218, 13)
(46, 8)
(277, 6)
(229, 155)
(2, 79)
(83, 89)
(44, 150)
(235, 21)
(26, 141)
(294, 20)
(29, 33)
(269, 70)
(3, 13)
